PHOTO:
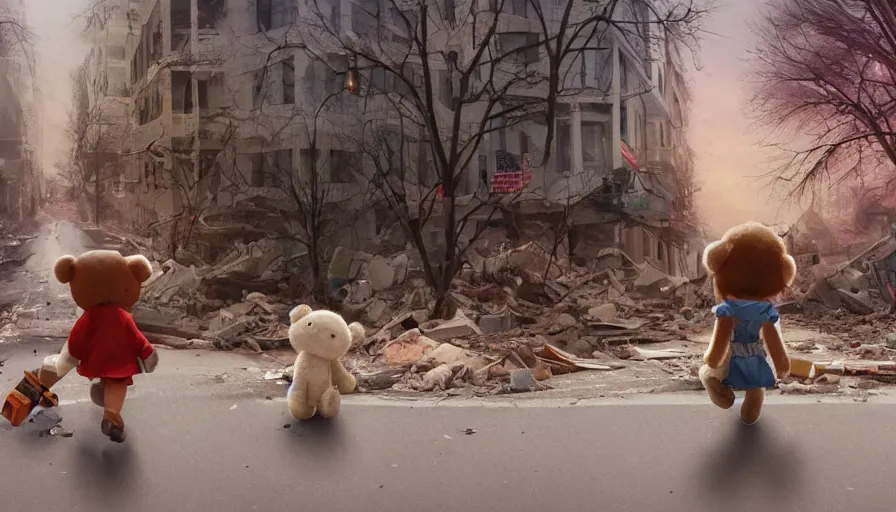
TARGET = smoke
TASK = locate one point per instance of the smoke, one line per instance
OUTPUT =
(59, 48)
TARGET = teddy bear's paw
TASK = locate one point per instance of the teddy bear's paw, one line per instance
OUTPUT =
(720, 394)
(330, 403)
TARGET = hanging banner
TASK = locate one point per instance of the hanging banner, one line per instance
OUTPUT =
(628, 156)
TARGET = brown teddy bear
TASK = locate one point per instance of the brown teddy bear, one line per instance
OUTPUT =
(749, 266)
(105, 343)
(320, 338)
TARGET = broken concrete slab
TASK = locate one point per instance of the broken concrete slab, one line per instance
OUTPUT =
(857, 303)
(445, 353)
(380, 273)
(458, 327)
(603, 312)
(408, 349)
(561, 323)
(490, 324)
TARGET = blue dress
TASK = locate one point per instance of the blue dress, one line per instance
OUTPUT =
(749, 368)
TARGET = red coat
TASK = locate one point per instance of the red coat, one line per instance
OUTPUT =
(108, 343)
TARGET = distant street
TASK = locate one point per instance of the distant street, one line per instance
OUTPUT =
(193, 450)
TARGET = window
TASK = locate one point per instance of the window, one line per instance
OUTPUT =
(207, 159)
(310, 161)
(564, 148)
(524, 44)
(343, 165)
(210, 12)
(289, 80)
(661, 251)
(258, 92)
(269, 169)
(115, 53)
(282, 166)
(446, 88)
(647, 240)
(181, 92)
(273, 14)
(180, 15)
(365, 17)
(623, 121)
(450, 11)
(623, 73)
(592, 143)
(519, 7)
(202, 85)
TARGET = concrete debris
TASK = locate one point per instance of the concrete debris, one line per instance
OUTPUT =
(408, 349)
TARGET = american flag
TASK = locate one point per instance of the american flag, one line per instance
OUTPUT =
(511, 175)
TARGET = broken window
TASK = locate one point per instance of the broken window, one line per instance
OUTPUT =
(343, 165)
(258, 92)
(210, 13)
(289, 80)
(273, 14)
(181, 92)
(180, 14)
(623, 73)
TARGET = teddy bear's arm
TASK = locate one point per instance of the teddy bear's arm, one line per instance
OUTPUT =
(721, 339)
(776, 349)
(345, 382)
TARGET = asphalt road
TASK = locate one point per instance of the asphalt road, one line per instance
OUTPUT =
(188, 451)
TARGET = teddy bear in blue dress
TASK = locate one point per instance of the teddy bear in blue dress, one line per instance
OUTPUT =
(749, 267)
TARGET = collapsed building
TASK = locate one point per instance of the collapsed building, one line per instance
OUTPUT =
(201, 123)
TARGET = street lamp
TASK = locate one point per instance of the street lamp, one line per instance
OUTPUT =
(351, 80)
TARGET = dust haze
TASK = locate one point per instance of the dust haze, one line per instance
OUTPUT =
(731, 160)
(56, 26)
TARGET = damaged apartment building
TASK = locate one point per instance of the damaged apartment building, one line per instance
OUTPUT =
(207, 106)
(21, 177)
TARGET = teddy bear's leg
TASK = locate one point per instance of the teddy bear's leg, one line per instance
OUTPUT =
(297, 400)
(98, 393)
(114, 393)
(720, 394)
(330, 403)
(752, 406)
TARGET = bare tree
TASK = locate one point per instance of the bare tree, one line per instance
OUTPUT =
(451, 78)
(827, 71)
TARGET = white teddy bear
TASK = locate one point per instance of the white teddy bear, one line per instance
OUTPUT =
(320, 338)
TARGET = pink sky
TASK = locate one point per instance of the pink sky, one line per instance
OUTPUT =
(727, 144)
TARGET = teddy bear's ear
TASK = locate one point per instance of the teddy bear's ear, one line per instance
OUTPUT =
(65, 269)
(788, 271)
(299, 312)
(357, 331)
(140, 267)
(715, 255)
